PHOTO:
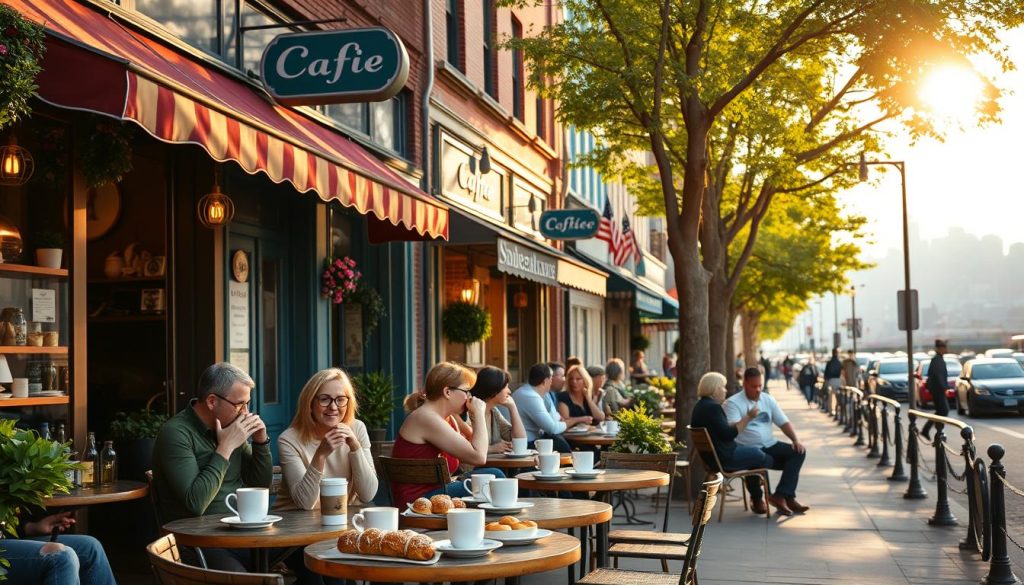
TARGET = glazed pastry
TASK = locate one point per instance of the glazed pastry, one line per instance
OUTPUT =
(496, 526)
(521, 526)
(529, 523)
(458, 503)
(369, 541)
(421, 506)
(440, 504)
(420, 548)
(395, 542)
(509, 520)
(347, 541)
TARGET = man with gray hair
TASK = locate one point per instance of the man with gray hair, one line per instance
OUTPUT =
(202, 454)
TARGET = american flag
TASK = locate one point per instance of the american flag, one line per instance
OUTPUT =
(606, 229)
(628, 246)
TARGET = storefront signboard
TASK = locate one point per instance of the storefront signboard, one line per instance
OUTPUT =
(569, 224)
(238, 315)
(334, 66)
(527, 263)
(463, 181)
(648, 303)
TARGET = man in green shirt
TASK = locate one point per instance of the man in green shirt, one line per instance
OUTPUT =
(202, 454)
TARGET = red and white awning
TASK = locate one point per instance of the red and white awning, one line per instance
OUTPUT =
(93, 62)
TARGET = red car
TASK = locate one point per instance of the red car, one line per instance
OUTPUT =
(953, 369)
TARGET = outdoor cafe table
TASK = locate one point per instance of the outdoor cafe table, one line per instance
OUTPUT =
(594, 439)
(516, 462)
(508, 562)
(612, 480)
(119, 491)
(296, 528)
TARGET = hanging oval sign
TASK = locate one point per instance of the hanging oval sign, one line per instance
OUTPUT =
(569, 224)
(334, 66)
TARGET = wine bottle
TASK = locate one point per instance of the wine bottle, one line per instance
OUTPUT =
(108, 463)
(90, 457)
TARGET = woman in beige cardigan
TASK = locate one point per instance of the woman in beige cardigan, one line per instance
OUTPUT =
(325, 440)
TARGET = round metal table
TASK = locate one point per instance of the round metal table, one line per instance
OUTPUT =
(517, 462)
(119, 491)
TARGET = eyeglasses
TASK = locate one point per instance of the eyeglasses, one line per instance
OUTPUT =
(468, 391)
(325, 401)
(239, 406)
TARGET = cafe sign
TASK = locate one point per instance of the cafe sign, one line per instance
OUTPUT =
(334, 66)
(569, 224)
(527, 263)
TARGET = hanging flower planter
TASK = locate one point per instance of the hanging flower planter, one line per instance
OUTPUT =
(342, 282)
(465, 323)
(106, 152)
(21, 48)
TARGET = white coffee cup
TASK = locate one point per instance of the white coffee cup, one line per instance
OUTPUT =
(502, 492)
(583, 461)
(519, 446)
(19, 388)
(253, 503)
(475, 483)
(333, 501)
(466, 527)
(548, 463)
(611, 427)
(544, 445)
(378, 517)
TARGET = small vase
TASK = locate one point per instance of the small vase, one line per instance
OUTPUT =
(49, 257)
(113, 266)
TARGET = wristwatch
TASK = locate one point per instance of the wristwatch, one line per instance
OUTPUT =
(267, 442)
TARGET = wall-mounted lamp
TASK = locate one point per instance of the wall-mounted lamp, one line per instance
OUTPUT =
(520, 300)
(470, 291)
(485, 162)
(530, 206)
(16, 164)
(215, 209)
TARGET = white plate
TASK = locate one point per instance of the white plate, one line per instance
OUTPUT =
(236, 522)
(517, 507)
(584, 474)
(529, 453)
(577, 431)
(518, 540)
(46, 394)
(409, 512)
(6, 396)
(486, 546)
(545, 477)
(337, 555)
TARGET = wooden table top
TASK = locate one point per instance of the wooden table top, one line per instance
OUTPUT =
(296, 528)
(119, 491)
(668, 424)
(610, 481)
(668, 412)
(593, 439)
(550, 513)
(514, 462)
(556, 551)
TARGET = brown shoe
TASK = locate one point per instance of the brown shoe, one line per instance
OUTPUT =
(780, 505)
(759, 507)
(796, 506)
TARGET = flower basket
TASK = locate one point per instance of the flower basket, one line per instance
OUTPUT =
(342, 282)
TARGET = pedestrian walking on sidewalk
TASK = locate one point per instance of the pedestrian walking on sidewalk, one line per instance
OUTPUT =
(807, 378)
(787, 371)
(937, 383)
(833, 377)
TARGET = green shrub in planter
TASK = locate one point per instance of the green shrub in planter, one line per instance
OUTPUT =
(640, 343)
(639, 432)
(465, 323)
(375, 394)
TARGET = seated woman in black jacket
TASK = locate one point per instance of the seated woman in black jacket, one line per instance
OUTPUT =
(708, 413)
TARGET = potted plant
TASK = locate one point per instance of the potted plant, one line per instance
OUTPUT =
(640, 343)
(465, 323)
(134, 435)
(31, 470)
(49, 248)
(375, 394)
(640, 433)
(21, 49)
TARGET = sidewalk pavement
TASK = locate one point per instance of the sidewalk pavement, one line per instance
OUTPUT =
(859, 529)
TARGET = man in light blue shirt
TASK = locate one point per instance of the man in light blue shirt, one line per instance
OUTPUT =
(540, 417)
(760, 433)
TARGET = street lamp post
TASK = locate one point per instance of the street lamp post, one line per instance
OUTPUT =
(862, 168)
(853, 318)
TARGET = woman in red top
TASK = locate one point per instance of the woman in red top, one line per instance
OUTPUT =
(432, 429)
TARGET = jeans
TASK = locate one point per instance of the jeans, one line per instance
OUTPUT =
(82, 560)
(781, 456)
(747, 458)
(457, 489)
(808, 392)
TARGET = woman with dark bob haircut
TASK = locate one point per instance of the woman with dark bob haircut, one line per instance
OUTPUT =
(492, 387)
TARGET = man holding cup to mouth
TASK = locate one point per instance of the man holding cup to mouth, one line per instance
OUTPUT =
(203, 453)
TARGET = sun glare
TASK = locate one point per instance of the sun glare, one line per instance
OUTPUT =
(952, 93)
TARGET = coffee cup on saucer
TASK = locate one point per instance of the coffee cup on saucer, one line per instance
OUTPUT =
(502, 492)
(253, 503)
(476, 482)
(583, 461)
(548, 463)
(466, 527)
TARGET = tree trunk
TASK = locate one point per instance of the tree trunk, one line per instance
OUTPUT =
(730, 351)
(749, 325)
(719, 331)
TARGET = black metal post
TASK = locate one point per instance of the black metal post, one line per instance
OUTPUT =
(897, 471)
(943, 515)
(999, 570)
(847, 415)
(914, 489)
(970, 471)
(884, 460)
(872, 429)
(860, 425)
(841, 407)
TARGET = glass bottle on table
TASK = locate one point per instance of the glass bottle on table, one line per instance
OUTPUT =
(108, 463)
(90, 457)
(44, 431)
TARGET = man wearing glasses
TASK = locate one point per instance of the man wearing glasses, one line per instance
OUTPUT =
(203, 453)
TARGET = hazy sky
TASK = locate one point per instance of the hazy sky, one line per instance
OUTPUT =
(975, 179)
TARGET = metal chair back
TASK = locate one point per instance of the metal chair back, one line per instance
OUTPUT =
(415, 471)
(169, 570)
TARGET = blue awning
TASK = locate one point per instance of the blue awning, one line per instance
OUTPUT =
(649, 298)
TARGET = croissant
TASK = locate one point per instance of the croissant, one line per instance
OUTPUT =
(440, 504)
(369, 541)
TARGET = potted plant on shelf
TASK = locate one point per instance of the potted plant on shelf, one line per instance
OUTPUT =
(134, 435)
(640, 433)
(49, 248)
(375, 394)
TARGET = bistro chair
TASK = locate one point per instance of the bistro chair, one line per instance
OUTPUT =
(160, 526)
(415, 471)
(688, 576)
(169, 570)
(626, 542)
(706, 449)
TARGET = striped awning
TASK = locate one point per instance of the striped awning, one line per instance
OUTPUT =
(95, 62)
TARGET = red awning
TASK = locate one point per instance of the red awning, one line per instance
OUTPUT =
(95, 62)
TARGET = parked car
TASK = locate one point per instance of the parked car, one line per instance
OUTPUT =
(1019, 357)
(990, 385)
(998, 352)
(889, 379)
(953, 369)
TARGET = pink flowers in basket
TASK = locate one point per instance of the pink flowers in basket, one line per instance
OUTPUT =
(339, 279)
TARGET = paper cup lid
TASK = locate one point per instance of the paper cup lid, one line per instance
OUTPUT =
(334, 481)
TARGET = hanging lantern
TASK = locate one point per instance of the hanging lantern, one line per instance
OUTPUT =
(470, 291)
(216, 209)
(16, 164)
(520, 300)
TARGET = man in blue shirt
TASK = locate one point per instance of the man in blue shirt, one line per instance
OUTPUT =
(540, 417)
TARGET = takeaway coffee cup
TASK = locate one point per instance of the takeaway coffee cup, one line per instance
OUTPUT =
(253, 503)
(583, 461)
(502, 492)
(475, 483)
(548, 463)
(378, 517)
(544, 445)
(466, 527)
(19, 388)
(519, 446)
(333, 501)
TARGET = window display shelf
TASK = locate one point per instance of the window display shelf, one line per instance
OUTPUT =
(13, 402)
(32, 349)
(15, 270)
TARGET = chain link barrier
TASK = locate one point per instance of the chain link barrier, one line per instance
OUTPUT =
(1016, 490)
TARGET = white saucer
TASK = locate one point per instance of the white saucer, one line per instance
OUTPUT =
(528, 453)
(46, 393)
(236, 522)
(584, 474)
(486, 546)
(577, 431)
(520, 540)
(545, 477)
(473, 500)
(517, 507)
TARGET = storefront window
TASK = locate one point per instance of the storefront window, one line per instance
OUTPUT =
(384, 123)
(193, 21)
(254, 40)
